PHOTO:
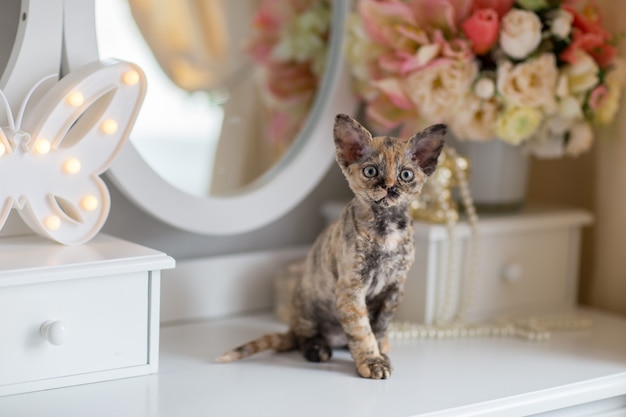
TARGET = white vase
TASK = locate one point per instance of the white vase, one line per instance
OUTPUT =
(498, 173)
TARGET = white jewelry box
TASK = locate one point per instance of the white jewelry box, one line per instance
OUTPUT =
(528, 263)
(71, 315)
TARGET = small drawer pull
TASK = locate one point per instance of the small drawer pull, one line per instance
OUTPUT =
(55, 332)
(513, 272)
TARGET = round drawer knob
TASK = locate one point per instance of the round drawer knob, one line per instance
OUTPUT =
(513, 272)
(55, 332)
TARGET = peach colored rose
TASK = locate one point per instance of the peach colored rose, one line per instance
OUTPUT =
(437, 89)
(531, 83)
(482, 28)
(475, 119)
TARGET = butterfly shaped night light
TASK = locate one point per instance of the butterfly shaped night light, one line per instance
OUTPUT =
(53, 152)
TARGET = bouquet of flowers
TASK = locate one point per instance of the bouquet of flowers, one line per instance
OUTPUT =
(532, 72)
(289, 45)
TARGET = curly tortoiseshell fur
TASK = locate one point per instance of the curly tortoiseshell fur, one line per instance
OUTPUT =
(353, 276)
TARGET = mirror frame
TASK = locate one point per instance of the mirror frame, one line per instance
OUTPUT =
(272, 195)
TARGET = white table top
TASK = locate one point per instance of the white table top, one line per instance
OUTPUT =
(463, 377)
(30, 259)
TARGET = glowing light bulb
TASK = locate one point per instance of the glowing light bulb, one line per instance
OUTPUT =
(71, 166)
(130, 77)
(3, 149)
(42, 146)
(75, 99)
(52, 222)
(89, 203)
(109, 127)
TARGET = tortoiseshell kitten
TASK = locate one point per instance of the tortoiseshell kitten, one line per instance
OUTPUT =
(354, 274)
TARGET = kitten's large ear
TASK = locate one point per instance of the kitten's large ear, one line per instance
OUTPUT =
(427, 145)
(352, 140)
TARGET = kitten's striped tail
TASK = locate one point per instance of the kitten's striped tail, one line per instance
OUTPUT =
(280, 342)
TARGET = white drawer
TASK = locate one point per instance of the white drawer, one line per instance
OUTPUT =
(528, 263)
(522, 272)
(106, 319)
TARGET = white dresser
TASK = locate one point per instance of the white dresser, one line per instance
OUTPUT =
(77, 314)
(528, 263)
(570, 375)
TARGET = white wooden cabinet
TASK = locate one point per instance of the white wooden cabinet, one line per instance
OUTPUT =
(528, 263)
(77, 314)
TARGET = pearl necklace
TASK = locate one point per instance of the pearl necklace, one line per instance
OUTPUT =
(533, 328)
(452, 286)
(451, 325)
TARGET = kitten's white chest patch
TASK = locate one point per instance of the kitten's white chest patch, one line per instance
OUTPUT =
(392, 240)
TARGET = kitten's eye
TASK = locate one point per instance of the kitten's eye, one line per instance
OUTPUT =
(406, 175)
(370, 171)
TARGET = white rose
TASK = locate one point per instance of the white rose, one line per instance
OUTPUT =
(485, 88)
(580, 139)
(561, 25)
(531, 83)
(562, 86)
(549, 141)
(550, 147)
(582, 75)
(570, 108)
(475, 119)
(520, 33)
(437, 89)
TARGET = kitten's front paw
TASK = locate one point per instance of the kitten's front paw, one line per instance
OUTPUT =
(375, 368)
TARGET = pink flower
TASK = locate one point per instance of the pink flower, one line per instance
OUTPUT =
(588, 34)
(482, 28)
(382, 17)
(443, 14)
(456, 48)
(501, 7)
(598, 97)
(290, 81)
(394, 90)
(595, 44)
(383, 115)
(586, 16)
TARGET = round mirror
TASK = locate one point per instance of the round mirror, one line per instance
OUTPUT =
(236, 127)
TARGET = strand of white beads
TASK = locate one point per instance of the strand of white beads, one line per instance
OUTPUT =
(450, 285)
(469, 284)
(533, 328)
